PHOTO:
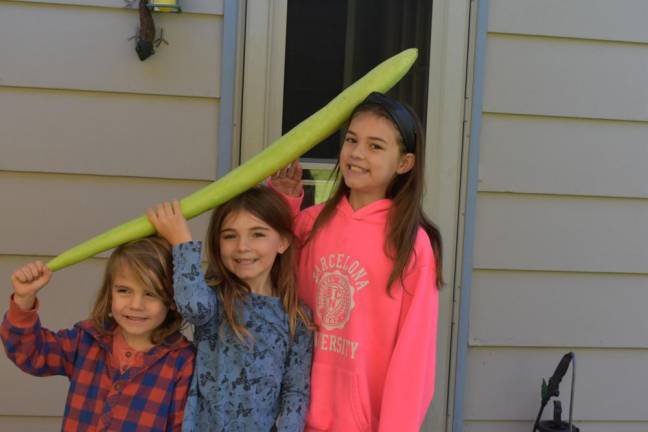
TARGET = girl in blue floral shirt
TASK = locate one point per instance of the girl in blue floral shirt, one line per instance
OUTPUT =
(253, 336)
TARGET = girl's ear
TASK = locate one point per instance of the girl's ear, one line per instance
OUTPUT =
(406, 163)
(284, 244)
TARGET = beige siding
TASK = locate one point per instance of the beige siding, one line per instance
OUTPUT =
(87, 48)
(77, 208)
(112, 133)
(621, 20)
(525, 426)
(505, 383)
(559, 309)
(559, 155)
(541, 232)
(560, 248)
(566, 77)
(30, 424)
(91, 137)
(214, 7)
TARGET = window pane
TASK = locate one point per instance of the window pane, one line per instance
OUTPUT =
(330, 44)
(318, 183)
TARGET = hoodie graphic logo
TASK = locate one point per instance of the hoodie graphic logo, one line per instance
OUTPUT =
(338, 277)
(334, 300)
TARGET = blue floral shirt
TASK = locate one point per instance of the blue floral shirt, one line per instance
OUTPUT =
(241, 386)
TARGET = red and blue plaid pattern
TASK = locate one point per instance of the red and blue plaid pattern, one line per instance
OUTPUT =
(148, 398)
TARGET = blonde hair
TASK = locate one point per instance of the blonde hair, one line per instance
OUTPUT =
(151, 262)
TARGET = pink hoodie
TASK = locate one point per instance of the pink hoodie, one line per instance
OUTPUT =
(374, 358)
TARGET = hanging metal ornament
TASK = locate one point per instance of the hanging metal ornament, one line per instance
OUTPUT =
(171, 6)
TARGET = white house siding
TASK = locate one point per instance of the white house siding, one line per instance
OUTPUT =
(90, 138)
(561, 241)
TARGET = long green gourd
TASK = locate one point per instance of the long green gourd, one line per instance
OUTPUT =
(286, 149)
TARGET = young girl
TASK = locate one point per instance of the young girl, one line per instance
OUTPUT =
(253, 336)
(370, 268)
(128, 365)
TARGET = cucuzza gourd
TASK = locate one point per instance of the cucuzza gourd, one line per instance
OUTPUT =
(280, 153)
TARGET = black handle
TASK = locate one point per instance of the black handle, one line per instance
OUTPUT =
(559, 373)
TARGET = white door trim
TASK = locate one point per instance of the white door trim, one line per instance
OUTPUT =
(263, 75)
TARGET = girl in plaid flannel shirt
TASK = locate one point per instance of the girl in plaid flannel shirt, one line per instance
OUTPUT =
(128, 365)
(253, 335)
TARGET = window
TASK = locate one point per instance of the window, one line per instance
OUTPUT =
(332, 43)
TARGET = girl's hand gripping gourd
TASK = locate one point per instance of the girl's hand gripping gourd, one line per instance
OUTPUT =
(27, 281)
(169, 222)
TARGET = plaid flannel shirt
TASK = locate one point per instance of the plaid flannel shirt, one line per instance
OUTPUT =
(100, 397)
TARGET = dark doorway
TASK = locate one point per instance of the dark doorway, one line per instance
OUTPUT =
(332, 43)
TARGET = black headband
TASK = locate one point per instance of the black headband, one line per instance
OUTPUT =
(399, 114)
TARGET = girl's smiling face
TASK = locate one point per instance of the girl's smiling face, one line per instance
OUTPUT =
(248, 248)
(136, 308)
(371, 157)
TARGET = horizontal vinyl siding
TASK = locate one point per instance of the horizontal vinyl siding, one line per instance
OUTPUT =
(552, 232)
(92, 137)
(566, 77)
(504, 384)
(560, 247)
(50, 212)
(558, 155)
(525, 426)
(620, 20)
(213, 7)
(30, 424)
(559, 309)
(113, 134)
(87, 48)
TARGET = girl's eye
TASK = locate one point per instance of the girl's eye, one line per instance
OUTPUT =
(374, 146)
(151, 294)
(349, 139)
(122, 290)
(258, 234)
(227, 236)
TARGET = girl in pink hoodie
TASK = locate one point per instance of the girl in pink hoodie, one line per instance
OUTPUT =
(370, 269)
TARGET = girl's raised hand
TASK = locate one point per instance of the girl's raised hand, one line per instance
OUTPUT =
(170, 223)
(27, 281)
(288, 180)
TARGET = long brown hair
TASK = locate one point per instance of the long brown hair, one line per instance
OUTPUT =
(406, 190)
(150, 261)
(268, 206)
